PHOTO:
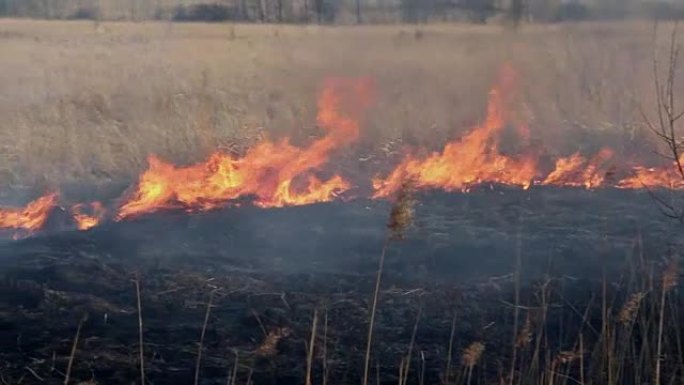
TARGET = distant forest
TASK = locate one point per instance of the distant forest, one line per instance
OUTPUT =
(343, 11)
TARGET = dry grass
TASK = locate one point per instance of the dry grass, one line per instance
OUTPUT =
(88, 102)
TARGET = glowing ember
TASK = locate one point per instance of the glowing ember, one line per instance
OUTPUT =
(271, 173)
(30, 218)
(471, 160)
(577, 171)
(88, 216)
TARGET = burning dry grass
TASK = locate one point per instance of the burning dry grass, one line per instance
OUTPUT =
(275, 172)
(89, 103)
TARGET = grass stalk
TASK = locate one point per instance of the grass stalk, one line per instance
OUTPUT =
(72, 355)
(207, 313)
(312, 342)
(141, 350)
(374, 305)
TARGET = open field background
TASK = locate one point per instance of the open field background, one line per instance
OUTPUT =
(87, 102)
(549, 285)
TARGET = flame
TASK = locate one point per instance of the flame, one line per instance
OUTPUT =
(271, 172)
(88, 216)
(278, 173)
(30, 218)
(577, 171)
(653, 177)
(473, 159)
(476, 159)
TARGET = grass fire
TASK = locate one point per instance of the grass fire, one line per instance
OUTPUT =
(269, 172)
(457, 194)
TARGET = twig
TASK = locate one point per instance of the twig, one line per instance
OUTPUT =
(39, 378)
(261, 324)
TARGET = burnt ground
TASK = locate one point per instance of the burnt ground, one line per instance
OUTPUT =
(270, 270)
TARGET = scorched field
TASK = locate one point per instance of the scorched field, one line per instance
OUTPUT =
(185, 203)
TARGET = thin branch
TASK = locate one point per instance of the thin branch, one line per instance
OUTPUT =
(678, 116)
(666, 128)
(665, 208)
(656, 79)
(34, 374)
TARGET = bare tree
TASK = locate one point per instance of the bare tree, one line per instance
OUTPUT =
(325, 10)
(318, 8)
(517, 11)
(667, 115)
(306, 11)
(262, 10)
(358, 12)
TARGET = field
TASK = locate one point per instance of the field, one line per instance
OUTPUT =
(87, 103)
(552, 284)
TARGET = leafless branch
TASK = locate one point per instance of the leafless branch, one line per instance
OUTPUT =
(665, 126)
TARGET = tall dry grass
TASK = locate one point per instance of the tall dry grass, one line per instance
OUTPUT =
(88, 102)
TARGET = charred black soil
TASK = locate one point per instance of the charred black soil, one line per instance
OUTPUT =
(268, 271)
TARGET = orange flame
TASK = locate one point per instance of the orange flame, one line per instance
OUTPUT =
(474, 159)
(270, 172)
(577, 171)
(277, 173)
(653, 177)
(30, 218)
(88, 216)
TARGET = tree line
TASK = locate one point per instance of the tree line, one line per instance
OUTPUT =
(342, 11)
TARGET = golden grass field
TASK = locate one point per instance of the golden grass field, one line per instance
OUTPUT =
(87, 102)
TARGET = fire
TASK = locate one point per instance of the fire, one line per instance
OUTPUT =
(88, 216)
(273, 174)
(476, 159)
(30, 218)
(577, 171)
(278, 173)
(471, 160)
(653, 177)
